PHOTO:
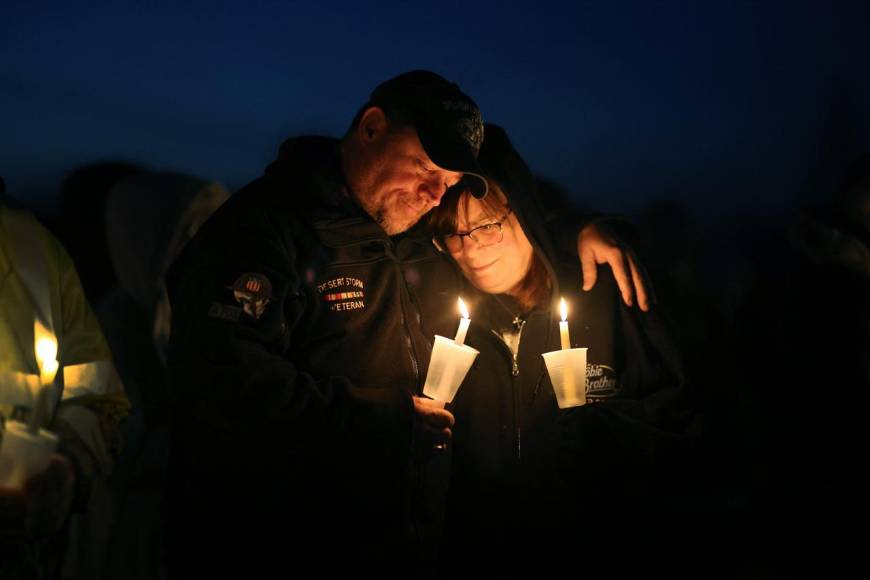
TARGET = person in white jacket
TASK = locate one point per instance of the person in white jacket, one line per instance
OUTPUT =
(40, 291)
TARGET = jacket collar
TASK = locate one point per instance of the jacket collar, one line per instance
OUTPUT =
(307, 175)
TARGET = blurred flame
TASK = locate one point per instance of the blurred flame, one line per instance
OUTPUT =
(463, 309)
(45, 348)
(563, 309)
(45, 344)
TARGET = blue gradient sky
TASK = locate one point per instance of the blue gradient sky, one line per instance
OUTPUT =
(724, 106)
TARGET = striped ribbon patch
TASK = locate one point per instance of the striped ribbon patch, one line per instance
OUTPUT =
(341, 296)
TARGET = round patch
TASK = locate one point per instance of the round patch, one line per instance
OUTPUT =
(254, 292)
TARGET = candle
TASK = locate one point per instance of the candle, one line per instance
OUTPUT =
(463, 324)
(47, 372)
(45, 348)
(563, 326)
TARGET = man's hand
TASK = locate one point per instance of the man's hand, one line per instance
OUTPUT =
(434, 418)
(594, 248)
(41, 507)
(435, 422)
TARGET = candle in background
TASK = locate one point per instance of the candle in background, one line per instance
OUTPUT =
(563, 326)
(45, 349)
(463, 324)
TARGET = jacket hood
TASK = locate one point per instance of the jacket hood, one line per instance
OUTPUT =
(149, 218)
(502, 163)
(310, 163)
(306, 154)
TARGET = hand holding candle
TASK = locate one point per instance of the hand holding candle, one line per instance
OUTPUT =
(45, 348)
(450, 362)
(26, 450)
(567, 367)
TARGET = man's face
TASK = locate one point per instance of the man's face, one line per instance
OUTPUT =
(400, 183)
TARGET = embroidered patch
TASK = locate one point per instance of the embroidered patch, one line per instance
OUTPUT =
(345, 293)
(224, 311)
(254, 292)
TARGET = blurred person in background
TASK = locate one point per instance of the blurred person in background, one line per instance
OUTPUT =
(149, 219)
(45, 527)
(805, 382)
(81, 224)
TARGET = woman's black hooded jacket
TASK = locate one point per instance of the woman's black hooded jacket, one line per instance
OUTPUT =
(524, 469)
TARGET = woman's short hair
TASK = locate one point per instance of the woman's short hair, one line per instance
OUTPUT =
(443, 220)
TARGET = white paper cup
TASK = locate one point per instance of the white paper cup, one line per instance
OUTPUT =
(23, 455)
(447, 368)
(567, 370)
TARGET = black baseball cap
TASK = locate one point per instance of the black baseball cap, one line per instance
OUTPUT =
(448, 122)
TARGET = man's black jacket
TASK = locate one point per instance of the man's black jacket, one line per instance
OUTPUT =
(296, 347)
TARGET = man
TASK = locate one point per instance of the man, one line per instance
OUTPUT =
(297, 348)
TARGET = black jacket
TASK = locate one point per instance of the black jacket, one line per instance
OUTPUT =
(529, 478)
(296, 347)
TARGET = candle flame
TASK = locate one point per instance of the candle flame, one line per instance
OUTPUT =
(45, 349)
(462, 309)
(45, 345)
(563, 309)
(49, 368)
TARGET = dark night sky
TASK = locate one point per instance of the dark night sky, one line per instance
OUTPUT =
(727, 106)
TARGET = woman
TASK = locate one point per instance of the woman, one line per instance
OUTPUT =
(524, 471)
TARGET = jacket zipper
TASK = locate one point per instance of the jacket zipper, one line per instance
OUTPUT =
(415, 364)
(515, 372)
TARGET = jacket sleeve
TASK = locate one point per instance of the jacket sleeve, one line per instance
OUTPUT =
(636, 436)
(235, 380)
(93, 404)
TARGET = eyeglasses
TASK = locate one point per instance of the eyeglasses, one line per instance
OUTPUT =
(484, 235)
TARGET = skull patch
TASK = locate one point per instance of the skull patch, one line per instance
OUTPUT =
(254, 292)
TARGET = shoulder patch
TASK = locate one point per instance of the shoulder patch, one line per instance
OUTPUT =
(344, 293)
(254, 292)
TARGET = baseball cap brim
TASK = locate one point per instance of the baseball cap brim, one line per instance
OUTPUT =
(453, 153)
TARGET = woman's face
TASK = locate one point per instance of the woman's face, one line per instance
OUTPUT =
(497, 268)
